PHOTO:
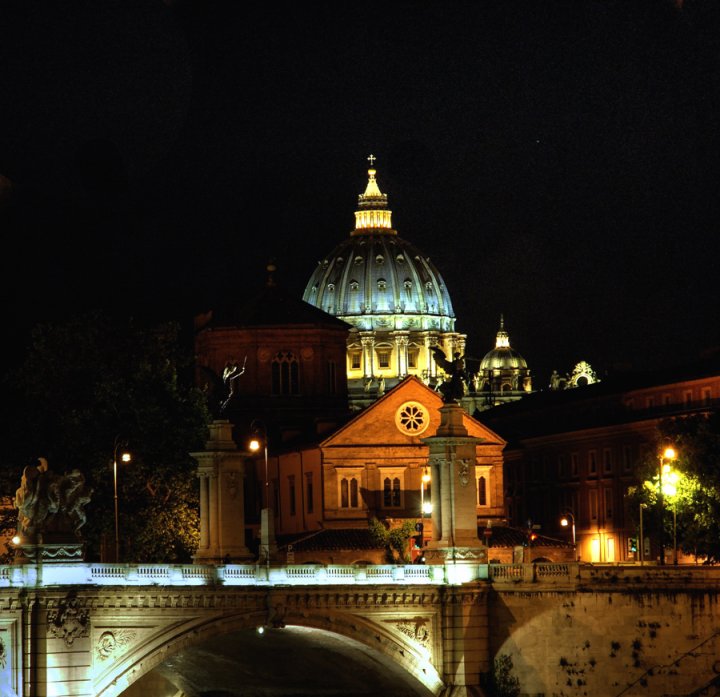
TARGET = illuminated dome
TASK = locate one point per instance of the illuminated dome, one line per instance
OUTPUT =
(392, 295)
(503, 374)
(503, 356)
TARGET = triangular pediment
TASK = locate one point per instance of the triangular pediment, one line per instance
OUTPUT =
(404, 416)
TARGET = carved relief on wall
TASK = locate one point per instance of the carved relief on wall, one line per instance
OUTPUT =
(415, 628)
(113, 642)
(3, 655)
(68, 621)
(232, 484)
(307, 353)
(263, 355)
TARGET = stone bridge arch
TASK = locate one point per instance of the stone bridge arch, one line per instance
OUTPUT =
(130, 642)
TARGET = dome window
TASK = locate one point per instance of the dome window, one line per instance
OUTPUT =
(331, 287)
(382, 284)
(354, 285)
(358, 260)
(400, 259)
(340, 261)
(379, 259)
(428, 285)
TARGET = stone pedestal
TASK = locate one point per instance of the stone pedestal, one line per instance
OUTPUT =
(454, 493)
(221, 469)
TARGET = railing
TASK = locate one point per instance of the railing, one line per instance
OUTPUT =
(565, 575)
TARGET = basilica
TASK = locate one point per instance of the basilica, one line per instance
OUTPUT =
(342, 391)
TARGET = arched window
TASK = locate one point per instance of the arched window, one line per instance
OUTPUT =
(285, 373)
(482, 491)
(349, 492)
(391, 492)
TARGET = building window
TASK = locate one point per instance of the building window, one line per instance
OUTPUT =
(607, 461)
(706, 395)
(310, 502)
(667, 400)
(593, 504)
(574, 464)
(562, 466)
(291, 492)
(608, 504)
(412, 358)
(383, 358)
(332, 377)
(649, 402)
(285, 369)
(349, 492)
(627, 458)
(592, 462)
(354, 285)
(687, 396)
(391, 492)
(355, 360)
(482, 491)
(382, 284)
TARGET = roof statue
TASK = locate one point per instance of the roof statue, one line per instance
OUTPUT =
(453, 388)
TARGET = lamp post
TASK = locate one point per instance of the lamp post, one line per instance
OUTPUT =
(425, 506)
(569, 519)
(125, 456)
(267, 529)
(667, 454)
(258, 440)
(641, 542)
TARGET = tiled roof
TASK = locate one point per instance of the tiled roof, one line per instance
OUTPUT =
(361, 539)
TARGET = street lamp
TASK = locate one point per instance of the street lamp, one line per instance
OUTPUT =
(670, 489)
(569, 519)
(259, 440)
(425, 506)
(125, 456)
(667, 454)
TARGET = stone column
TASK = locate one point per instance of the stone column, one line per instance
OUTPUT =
(452, 454)
(401, 350)
(221, 469)
(368, 344)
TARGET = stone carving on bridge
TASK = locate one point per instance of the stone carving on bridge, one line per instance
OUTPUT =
(51, 505)
(68, 621)
(112, 642)
(417, 629)
(3, 655)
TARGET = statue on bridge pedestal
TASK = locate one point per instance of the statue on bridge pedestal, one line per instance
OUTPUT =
(51, 508)
(452, 389)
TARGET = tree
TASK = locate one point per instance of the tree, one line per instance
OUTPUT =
(696, 501)
(394, 539)
(89, 381)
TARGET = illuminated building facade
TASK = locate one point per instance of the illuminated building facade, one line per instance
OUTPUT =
(576, 451)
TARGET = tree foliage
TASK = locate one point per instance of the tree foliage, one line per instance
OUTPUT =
(394, 539)
(90, 383)
(501, 682)
(696, 501)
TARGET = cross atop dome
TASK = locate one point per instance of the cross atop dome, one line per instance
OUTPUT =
(373, 216)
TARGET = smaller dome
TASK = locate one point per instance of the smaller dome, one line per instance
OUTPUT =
(503, 357)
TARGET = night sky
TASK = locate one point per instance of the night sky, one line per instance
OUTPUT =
(558, 161)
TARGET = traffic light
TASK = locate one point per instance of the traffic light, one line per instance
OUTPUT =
(632, 545)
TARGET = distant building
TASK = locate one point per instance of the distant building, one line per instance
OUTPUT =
(576, 451)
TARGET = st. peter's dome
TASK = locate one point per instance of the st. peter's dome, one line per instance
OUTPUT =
(392, 295)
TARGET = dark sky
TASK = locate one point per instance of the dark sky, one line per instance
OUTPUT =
(559, 161)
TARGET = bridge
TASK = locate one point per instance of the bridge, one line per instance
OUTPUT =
(565, 629)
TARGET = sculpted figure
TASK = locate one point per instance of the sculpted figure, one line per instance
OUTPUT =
(453, 388)
(49, 502)
(231, 373)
